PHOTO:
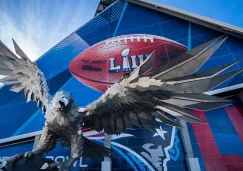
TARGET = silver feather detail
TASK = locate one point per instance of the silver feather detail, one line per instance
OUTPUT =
(170, 90)
(23, 74)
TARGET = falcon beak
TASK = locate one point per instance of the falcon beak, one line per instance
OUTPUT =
(63, 102)
(3, 163)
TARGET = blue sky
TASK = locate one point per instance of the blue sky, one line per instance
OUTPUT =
(37, 25)
(228, 11)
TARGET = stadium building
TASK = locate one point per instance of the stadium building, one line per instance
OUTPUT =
(216, 145)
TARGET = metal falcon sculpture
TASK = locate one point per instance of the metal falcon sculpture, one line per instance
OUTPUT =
(137, 99)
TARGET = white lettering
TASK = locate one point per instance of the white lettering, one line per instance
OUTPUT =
(140, 57)
(80, 163)
(134, 64)
(57, 159)
(125, 54)
(65, 158)
(50, 157)
(61, 159)
(125, 67)
(112, 64)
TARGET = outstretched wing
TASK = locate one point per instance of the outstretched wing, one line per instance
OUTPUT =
(23, 74)
(168, 91)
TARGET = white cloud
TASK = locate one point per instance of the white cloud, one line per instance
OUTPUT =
(9, 30)
(39, 25)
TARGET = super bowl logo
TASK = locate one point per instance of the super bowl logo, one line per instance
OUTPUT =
(129, 63)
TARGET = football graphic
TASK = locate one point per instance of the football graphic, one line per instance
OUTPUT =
(104, 63)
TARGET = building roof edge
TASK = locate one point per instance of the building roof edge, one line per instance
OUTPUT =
(191, 17)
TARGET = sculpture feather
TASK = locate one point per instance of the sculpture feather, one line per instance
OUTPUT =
(24, 75)
(147, 93)
(172, 89)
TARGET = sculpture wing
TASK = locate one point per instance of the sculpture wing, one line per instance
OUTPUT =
(23, 74)
(168, 91)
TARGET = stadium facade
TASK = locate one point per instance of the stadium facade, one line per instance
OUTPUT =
(217, 145)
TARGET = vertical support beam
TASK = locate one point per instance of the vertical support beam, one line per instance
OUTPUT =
(106, 164)
(36, 142)
(186, 139)
(192, 162)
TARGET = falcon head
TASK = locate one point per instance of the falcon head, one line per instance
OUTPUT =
(65, 101)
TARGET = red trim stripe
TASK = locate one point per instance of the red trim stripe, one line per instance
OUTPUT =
(212, 158)
(235, 115)
(87, 130)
